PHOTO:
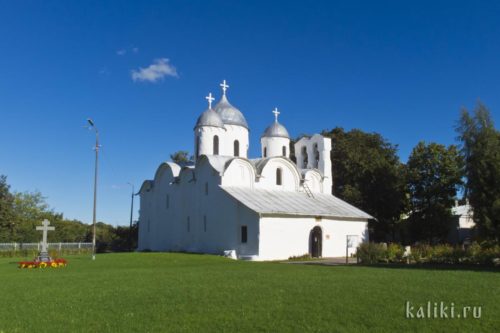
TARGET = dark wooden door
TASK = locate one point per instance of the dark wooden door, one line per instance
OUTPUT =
(315, 241)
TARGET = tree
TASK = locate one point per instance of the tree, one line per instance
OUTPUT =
(181, 157)
(367, 173)
(6, 211)
(434, 176)
(480, 143)
(21, 213)
(69, 230)
(126, 239)
(30, 209)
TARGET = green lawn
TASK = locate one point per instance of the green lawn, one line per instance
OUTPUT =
(158, 292)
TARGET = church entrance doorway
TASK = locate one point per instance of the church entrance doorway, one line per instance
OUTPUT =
(315, 241)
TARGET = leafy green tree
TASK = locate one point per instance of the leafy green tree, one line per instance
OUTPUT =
(30, 209)
(21, 213)
(71, 231)
(126, 238)
(6, 211)
(434, 176)
(181, 157)
(105, 236)
(367, 173)
(481, 150)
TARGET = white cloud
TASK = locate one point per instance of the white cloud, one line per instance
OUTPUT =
(159, 69)
(121, 52)
(135, 49)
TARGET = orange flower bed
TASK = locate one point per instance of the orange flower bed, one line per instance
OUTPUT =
(56, 263)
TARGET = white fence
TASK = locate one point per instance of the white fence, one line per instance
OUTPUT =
(37, 246)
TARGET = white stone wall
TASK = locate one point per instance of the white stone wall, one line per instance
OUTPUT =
(274, 146)
(239, 173)
(234, 132)
(283, 237)
(204, 135)
(144, 218)
(215, 219)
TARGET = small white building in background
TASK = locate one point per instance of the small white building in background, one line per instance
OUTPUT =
(462, 230)
(264, 208)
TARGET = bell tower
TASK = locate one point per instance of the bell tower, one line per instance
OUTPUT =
(314, 153)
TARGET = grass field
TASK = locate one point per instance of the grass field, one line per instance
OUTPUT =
(158, 292)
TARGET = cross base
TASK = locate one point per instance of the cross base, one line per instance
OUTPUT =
(43, 257)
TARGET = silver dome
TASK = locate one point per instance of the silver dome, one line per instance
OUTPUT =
(229, 114)
(209, 118)
(276, 130)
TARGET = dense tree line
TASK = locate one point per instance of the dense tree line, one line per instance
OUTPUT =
(412, 202)
(20, 213)
(433, 176)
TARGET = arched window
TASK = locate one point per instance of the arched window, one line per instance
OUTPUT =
(197, 146)
(278, 176)
(284, 151)
(304, 157)
(236, 148)
(316, 155)
(265, 152)
(216, 145)
(244, 233)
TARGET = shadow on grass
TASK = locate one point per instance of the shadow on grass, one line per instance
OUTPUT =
(435, 267)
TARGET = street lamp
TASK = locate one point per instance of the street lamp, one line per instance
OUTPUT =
(96, 148)
(131, 216)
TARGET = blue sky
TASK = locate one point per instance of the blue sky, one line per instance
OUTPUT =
(403, 69)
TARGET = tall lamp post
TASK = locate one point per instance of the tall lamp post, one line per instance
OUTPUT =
(96, 148)
(131, 216)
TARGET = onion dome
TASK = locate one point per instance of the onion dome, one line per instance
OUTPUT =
(276, 130)
(229, 114)
(209, 117)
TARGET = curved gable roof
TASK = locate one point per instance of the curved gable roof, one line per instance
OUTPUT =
(261, 163)
(217, 162)
(147, 185)
(306, 171)
(173, 167)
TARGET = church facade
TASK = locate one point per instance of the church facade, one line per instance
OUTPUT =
(266, 208)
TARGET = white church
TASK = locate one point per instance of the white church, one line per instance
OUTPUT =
(266, 208)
